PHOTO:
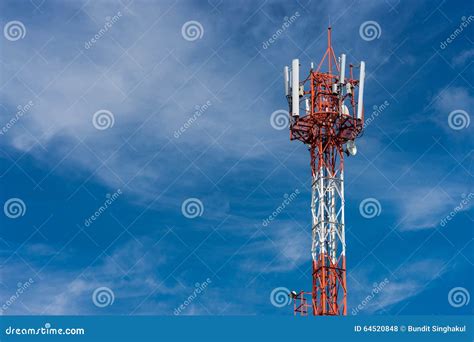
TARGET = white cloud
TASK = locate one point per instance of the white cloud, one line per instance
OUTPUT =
(453, 98)
(133, 271)
(411, 280)
(285, 246)
(424, 207)
(463, 57)
(408, 282)
(168, 76)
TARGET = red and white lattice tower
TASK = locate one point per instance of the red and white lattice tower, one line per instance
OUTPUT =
(326, 114)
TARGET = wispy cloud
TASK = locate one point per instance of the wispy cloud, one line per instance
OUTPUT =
(131, 271)
(408, 282)
(285, 246)
(463, 57)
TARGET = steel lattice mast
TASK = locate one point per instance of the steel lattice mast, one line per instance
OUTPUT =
(331, 121)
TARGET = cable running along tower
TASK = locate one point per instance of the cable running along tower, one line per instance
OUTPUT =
(331, 107)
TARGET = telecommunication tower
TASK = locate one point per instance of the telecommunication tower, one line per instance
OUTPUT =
(332, 117)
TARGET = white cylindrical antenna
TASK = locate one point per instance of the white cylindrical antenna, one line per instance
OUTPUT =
(312, 65)
(343, 68)
(295, 87)
(345, 110)
(306, 103)
(286, 79)
(360, 101)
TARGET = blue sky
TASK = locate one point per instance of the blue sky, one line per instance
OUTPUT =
(414, 158)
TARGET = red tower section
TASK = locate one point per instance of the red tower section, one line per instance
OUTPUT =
(332, 118)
